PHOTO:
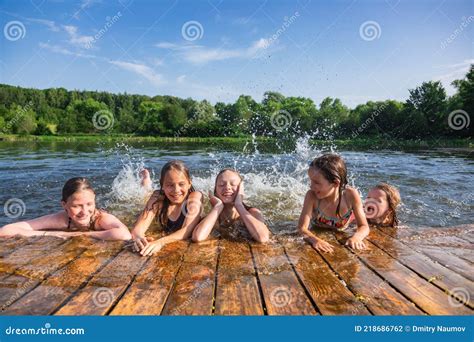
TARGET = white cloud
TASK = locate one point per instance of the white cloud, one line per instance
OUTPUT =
(180, 79)
(142, 70)
(198, 54)
(62, 50)
(454, 71)
(49, 23)
(76, 39)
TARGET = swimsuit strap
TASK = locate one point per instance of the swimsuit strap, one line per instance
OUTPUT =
(92, 222)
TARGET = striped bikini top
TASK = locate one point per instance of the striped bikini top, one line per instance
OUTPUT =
(321, 219)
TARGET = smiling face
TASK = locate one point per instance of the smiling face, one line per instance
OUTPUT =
(176, 186)
(320, 186)
(227, 185)
(80, 207)
(376, 206)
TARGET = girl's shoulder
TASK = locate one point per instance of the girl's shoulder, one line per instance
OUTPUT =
(351, 194)
(104, 220)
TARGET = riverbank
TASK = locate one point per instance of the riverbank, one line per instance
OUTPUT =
(374, 143)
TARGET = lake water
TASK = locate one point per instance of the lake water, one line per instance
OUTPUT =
(436, 185)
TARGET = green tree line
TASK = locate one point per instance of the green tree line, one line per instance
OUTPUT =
(428, 112)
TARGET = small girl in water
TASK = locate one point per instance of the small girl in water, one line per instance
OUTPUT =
(381, 205)
(80, 217)
(330, 203)
(228, 208)
(177, 207)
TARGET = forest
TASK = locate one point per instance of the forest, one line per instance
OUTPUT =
(427, 113)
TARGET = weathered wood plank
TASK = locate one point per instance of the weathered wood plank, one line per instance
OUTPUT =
(27, 275)
(28, 253)
(237, 288)
(326, 289)
(282, 292)
(58, 287)
(450, 244)
(427, 296)
(435, 273)
(369, 287)
(11, 244)
(193, 292)
(105, 288)
(148, 292)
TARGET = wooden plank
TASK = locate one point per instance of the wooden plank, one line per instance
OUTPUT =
(106, 287)
(28, 275)
(435, 273)
(193, 292)
(445, 258)
(237, 288)
(451, 244)
(148, 292)
(369, 287)
(427, 296)
(27, 253)
(11, 244)
(58, 287)
(282, 292)
(405, 232)
(331, 296)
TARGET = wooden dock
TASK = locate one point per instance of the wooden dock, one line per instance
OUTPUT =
(403, 272)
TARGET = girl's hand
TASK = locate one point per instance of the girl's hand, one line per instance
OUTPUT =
(239, 198)
(355, 242)
(152, 248)
(215, 201)
(140, 242)
(322, 246)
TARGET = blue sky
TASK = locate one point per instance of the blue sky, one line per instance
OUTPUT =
(218, 49)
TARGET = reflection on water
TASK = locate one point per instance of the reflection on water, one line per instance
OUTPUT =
(436, 186)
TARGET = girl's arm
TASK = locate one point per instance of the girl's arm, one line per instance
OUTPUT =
(254, 223)
(204, 228)
(145, 219)
(303, 225)
(356, 241)
(112, 229)
(252, 218)
(193, 206)
(35, 226)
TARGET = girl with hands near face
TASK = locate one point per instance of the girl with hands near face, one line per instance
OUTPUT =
(176, 207)
(330, 203)
(228, 207)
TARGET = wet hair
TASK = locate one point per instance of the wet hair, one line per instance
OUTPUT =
(176, 165)
(247, 207)
(74, 185)
(333, 169)
(393, 200)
